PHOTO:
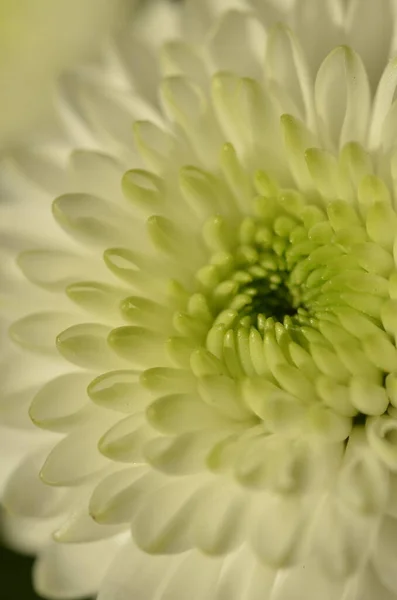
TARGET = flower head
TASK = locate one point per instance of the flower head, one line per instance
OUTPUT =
(206, 324)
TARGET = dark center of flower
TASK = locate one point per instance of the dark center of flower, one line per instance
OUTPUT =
(269, 296)
(299, 294)
(252, 284)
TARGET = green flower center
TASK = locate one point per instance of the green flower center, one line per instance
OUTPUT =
(299, 294)
(256, 283)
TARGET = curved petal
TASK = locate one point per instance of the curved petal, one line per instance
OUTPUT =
(42, 501)
(383, 101)
(70, 571)
(135, 574)
(166, 529)
(286, 66)
(343, 98)
(76, 458)
(370, 26)
(62, 403)
(38, 332)
(117, 497)
(384, 553)
(232, 45)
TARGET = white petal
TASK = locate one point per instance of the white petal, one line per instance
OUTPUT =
(369, 27)
(86, 346)
(183, 454)
(389, 130)
(343, 97)
(92, 220)
(120, 391)
(197, 19)
(145, 190)
(370, 586)
(231, 44)
(124, 441)
(159, 16)
(363, 482)
(195, 572)
(381, 432)
(139, 59)
(341, 539)
(79, 527)
(162, 524)
(158, 147)
(286, 66)
(186, 105)
(307, 581)
(97, 174)
(222, 394)
(180, 58)
(238, 581)
(97, 298)
(14, 408)
(62, 403)
(262, 578)
(318, 31)
(383, 101)
(42, 501)
(182, 413)
(52, 269)
(26, 535)
(268, 12)
(42, 169)
(75, 458)
(134, 574)
(160, 381)
(142, 347)
(70, 571)
(118, 496)
(297, 139)
(249, 120)
(38, 332)
(277, 531)
(109, 112)
(391, 508)
(220, 519)
(384, 555)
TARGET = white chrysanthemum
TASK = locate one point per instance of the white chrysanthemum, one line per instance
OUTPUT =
(203, 326)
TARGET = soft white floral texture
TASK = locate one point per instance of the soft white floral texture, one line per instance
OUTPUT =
(37, 41)
(228, 464)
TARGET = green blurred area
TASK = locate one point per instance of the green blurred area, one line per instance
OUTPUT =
(15, 576)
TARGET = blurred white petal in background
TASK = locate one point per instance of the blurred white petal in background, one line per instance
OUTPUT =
(39, 38)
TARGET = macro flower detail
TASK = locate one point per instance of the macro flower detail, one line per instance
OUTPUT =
(202, 324)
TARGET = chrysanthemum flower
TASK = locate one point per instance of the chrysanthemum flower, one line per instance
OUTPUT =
(202, 324)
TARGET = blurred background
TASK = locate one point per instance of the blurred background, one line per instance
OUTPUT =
(38, 40)
(15, 575)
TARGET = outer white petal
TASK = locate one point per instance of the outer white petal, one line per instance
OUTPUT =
(14, 445)
(42, 501)
(318, 31)
(134, 574)
(371, 26)
(27, 535)
(384, 552)
(70, 571)
(343, 98)
(233, 44)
